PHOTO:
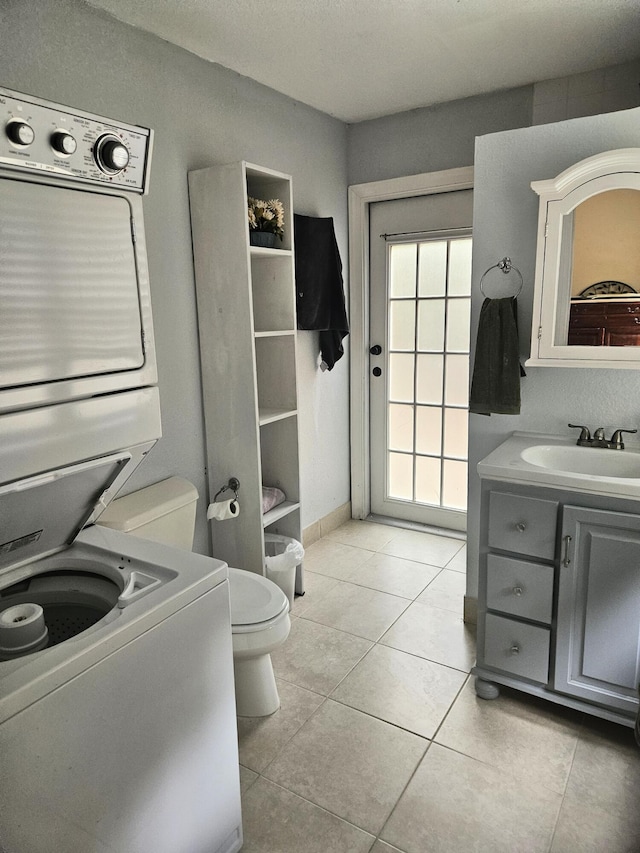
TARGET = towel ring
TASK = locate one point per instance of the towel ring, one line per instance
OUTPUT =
(506, 266)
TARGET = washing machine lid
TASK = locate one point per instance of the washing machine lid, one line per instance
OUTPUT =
(44, 513)
(254, 599)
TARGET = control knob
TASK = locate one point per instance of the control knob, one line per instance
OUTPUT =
(20, 133)
(112, 156)
(63, 142)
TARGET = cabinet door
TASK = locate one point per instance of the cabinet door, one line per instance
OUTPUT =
(598, 633)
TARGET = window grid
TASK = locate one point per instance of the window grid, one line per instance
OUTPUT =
(414, 405)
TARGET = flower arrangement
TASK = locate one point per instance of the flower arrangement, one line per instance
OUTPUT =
(267, 216)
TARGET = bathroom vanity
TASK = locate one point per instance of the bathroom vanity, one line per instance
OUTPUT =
(559, 579)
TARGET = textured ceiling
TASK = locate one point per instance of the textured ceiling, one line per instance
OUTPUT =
(360, 59)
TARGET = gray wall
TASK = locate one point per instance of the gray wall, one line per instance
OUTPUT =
(202, 114)
(433, 138)
(505, 223)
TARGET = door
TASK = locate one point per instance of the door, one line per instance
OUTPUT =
(420, 288)
(598, 634)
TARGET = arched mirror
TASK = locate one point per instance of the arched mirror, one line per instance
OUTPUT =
(586, 308)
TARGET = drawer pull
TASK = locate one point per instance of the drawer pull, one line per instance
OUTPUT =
(567, 559)
(517, 590)
(521, 527)
(515, 649)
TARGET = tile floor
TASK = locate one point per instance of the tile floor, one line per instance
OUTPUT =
(381, 744)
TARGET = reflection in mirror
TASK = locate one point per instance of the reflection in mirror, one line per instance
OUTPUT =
(599, 274)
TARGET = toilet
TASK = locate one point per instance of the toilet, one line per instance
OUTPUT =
(166, 512)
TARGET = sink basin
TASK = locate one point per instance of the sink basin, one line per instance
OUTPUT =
(589, 461)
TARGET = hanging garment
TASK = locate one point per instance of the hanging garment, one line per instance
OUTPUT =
(495, 386)
(319, 285)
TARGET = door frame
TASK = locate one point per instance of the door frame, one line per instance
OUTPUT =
(360, 196)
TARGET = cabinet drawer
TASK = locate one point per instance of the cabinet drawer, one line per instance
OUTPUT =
(520, 588)
(517, 648)
(523, 525)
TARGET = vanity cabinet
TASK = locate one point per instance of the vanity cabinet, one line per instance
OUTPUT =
(604, 323)
(247, 330)
(559, 598)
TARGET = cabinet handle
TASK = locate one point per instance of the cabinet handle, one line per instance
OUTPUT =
(515, 649)
(567, 542)
(517, 590)
(521, 527)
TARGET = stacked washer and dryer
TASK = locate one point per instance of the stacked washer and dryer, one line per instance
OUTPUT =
(117, 717)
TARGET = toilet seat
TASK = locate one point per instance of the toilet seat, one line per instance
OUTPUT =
(256, 602)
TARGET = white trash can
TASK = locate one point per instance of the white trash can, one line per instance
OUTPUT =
(282, 556)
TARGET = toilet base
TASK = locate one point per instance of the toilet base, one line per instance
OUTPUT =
(256, 691)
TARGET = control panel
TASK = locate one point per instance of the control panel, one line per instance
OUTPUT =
(39, 136)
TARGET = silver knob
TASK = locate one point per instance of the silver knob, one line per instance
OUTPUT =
(111, 155)
(19, 132)
(521, 527)
(63, 142)
(517, 590)
(515, 649)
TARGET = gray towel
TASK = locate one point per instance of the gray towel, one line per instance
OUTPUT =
(495, 386)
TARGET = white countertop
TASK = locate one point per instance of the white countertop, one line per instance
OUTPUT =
(506, 463)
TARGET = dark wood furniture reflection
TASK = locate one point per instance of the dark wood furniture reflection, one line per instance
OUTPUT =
(604, 323)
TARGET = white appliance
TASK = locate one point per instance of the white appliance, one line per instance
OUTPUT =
(117, 716)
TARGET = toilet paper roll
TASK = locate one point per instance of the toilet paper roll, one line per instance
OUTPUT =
(221, 510)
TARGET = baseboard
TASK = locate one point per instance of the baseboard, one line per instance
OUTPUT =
(470, 613)
(325, 525)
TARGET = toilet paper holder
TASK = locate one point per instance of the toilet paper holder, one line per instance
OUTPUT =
(232, 486)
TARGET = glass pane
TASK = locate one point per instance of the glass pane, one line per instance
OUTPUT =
(432, 268)
(428, 480)
(454, 489)
(400, 476)
(456, 433)
(429, 430)
(403, 264)
(456, 388)
(431, 325)
(458, 321)
(401, 427)
(460, 267)
(402, 325)
(401, 377)
(429, 382)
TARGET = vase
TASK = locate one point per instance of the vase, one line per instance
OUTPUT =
(266, 239)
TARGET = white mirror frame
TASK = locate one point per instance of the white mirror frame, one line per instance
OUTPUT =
(618, 169)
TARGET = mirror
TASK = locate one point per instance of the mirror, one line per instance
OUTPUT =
(587, 288)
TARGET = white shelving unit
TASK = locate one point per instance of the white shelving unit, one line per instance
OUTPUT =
(247, 324)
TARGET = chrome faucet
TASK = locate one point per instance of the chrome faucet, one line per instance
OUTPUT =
(599, 440)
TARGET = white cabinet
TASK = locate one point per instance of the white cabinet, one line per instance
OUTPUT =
(559, 598)
(247, 328)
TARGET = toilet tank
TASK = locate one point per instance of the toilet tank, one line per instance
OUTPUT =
(164, 512)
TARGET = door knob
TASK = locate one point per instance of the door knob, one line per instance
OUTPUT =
(376, 349)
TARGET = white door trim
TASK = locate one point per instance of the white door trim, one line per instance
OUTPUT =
(360, 197)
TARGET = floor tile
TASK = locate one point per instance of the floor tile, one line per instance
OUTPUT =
(447, 591)
(455, 803)
(327, 557)
(401, 689)
(383, 847)
(458, 563)
(247, 778)
(357, 610)
(349, 763)
(277, 821)
(525, 738)
(435, 634)
(394, 575)
(317, 657)
(584, 828)
(423, 547)
(261, 738)
(315, 586)
(363, 534)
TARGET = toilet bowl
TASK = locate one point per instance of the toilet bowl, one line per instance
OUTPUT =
(165, 512)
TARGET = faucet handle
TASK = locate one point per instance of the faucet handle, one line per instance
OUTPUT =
(599, 434)
(616, 438)
(585, 435)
